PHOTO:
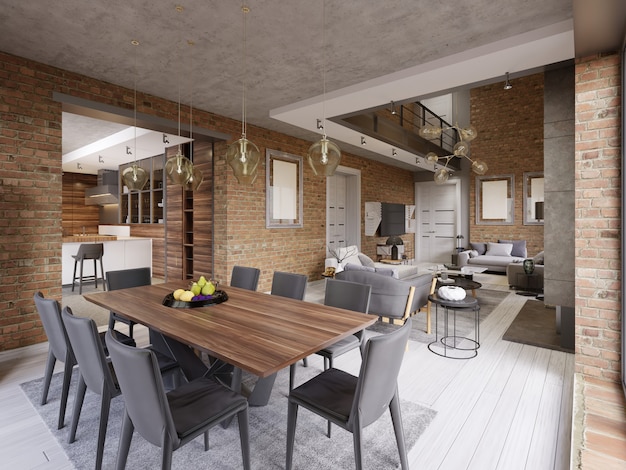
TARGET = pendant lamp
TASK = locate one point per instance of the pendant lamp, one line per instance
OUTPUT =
(324, 155)
(195, 176)
(134, 176)
(178, 168)
(243, 156)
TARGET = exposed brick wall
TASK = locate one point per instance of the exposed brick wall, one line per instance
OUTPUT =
(598, 192)
(31, 193)
(510, 141)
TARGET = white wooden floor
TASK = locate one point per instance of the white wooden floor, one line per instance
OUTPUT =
(508, 408)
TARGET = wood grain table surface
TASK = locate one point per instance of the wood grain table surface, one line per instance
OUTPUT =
(254, 331)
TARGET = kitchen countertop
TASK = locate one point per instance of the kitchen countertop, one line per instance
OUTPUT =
(89, 238)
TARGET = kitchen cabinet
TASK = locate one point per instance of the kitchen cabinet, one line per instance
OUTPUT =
(145, 206)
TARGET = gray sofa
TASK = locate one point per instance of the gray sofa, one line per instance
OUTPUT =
(389, 295)
(494, 256)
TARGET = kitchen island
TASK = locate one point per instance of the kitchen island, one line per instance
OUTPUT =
(120, 252)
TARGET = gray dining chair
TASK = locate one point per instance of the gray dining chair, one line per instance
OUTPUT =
(124, 279)
(354, 403)
(59, 349)
(95, 373)
(245, 277)
(86, 251)
(170, 420)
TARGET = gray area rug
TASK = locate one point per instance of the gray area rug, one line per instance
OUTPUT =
(488, 300)
(535, 324)
(268, 425)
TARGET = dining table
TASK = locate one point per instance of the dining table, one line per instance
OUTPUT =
(253, 331)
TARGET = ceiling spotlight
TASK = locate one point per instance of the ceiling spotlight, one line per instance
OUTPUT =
(393, 109)
(319, 124)
(394, 152)
(507, 84)
(100, 159)
(363, 140)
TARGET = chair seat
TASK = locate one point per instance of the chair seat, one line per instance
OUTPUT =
(331, 392)
(340, 347)
(214, 401)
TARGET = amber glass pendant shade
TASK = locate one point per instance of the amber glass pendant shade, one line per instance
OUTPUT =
(324, 157)
(243, 156)
(135, 177)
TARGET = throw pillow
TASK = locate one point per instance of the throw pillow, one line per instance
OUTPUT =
(519, 247)
(385, 271)
(366, 260)
(499, 249)
(480, 247)
(357, 267)
(539, 258)
(473, 253)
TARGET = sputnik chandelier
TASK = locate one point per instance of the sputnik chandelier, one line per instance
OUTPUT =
(461, 149)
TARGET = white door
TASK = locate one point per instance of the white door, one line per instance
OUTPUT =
(343, 208)
(437, 221)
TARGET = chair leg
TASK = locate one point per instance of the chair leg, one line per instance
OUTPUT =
(292, 376)
(67, 378)
(292, 416)
(95, 273)
(74, 275)
(206, 440)
(244, 434)
(48, 376)
(396, 419)
(102, 432)
(78, 406)
(80, 281)
(166, 462)
(305, 362)
(125, 438)
(358, 454)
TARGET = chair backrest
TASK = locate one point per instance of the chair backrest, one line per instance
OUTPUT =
(378, 377)
(90, 251)
(89, 351)
(348, 295)
(50, 314)
(289, 285)
(138, 374)
(245, 277)
(125, 278)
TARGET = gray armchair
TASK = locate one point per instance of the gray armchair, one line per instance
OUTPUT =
(390, 296)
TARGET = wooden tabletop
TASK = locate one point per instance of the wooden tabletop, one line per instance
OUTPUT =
(257, 332)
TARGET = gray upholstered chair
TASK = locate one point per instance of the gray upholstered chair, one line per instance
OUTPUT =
(123, 279)
(356, 402)
(245, 277)
(289, 285)
(86, 251)
(95, 373)
(170, 420)
(59, 348)
(390, 296)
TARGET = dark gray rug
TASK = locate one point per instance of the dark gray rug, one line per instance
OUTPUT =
(535, 324)
(268, 425)
(488, 300)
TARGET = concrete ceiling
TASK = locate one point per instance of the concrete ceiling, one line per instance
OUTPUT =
(375, 52)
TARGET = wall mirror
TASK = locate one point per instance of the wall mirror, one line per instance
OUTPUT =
(533, 198)
(495, 200)
(283, 190)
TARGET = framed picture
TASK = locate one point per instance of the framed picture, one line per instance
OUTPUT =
(533, 198)
(495, 200)
(283, 190)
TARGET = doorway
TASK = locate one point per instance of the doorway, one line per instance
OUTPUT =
(438, 220)
(343, 208)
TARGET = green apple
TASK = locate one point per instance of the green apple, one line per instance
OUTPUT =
(208, 288)
(195, 288)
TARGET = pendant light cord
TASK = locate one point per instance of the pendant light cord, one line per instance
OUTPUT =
(190, 42)
(136, 44)
(244, 126)
(324, 68)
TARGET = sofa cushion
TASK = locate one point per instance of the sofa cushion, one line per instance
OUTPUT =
(385, 271)
(519, 247)
(480, 247)
(499, 249)
(358, 267)
(538, 258)
(366, 260)
(473, 253)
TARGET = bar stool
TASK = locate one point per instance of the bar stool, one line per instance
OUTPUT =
(92, 251)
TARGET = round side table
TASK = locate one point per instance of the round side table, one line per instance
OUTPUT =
(450, 344)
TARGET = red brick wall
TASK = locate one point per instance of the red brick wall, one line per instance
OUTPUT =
(31, 193)
(510, 141)
(598, 192)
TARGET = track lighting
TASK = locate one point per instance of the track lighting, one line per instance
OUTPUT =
(363, 141)
(507, 84)
(393, 109)
(394, 153)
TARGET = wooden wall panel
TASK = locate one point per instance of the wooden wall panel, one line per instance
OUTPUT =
(203, 212)
(74, 213)
(173, 228)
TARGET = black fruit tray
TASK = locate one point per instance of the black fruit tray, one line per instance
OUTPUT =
(218, 297)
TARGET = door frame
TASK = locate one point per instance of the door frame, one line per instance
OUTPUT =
(456, 182)
(353, 204)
